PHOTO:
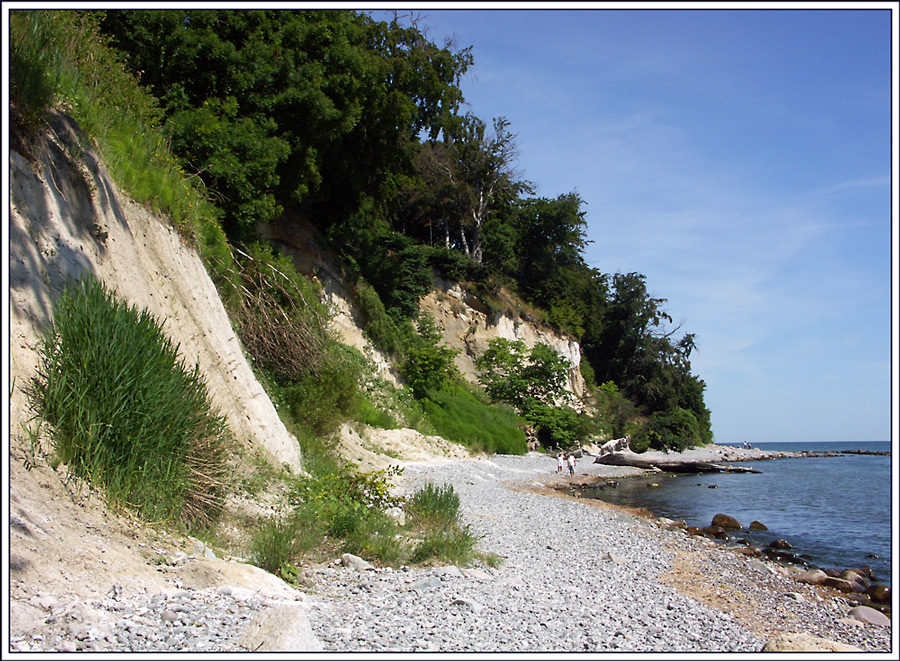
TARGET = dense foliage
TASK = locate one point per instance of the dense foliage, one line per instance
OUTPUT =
(354, 125)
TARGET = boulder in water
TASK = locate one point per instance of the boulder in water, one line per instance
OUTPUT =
(756, 525)
(841, 584)
(781, 544)
(727, 522)
(879, 593)
(717, 532)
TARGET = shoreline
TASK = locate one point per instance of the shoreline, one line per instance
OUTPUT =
(577, 576)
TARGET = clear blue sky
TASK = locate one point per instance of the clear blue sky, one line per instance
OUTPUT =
(741, 160)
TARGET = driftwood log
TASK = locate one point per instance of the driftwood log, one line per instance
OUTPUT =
(669, 465)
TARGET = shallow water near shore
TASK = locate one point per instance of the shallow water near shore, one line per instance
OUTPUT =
(835, 510)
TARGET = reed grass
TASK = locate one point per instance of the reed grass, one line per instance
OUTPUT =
(126, 413)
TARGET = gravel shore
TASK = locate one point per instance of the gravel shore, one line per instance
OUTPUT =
(576, 576)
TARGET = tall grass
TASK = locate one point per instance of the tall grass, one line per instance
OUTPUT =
(127, 414)
(457, 414)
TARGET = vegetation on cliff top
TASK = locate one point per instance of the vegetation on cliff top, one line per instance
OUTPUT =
(353, 125)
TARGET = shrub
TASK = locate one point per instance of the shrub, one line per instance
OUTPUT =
(433, 511)
(428, 366)
(433, 506)
(456, 546)
(673, 430)
(323, 399)
(379, 327)
(281, 542)
(279, 318)
(127, 414)
(559, 426)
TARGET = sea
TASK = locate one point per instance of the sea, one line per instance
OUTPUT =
(836, 511)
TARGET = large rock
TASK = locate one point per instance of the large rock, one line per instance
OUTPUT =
(355, 562)
(869, 616)
(812, 577)
(780, 544)
(756, 525)
(841, 584)
(805, 642)
(717, 532)
(280, 628)
(727, 522)
(879, 593)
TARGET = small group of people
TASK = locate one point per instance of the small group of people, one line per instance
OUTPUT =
(570, 462)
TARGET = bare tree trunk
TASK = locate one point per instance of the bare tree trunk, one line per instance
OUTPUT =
(462, 237)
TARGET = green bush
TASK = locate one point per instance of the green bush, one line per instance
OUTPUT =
(379, 327)
(428, 366)
(559, 426)
(433, 506)
(433, 512)
(456, 545)
(127, 414)
(281, 542)
(453, 265)
(322, 399)
(457, 414)
(675, 430)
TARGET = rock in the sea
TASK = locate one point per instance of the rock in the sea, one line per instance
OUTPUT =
(879, 593)
(781, 544)
(870, 616)
(727, 522)
(855, 576)
(756, 525)
(805, 642)
(841, 584)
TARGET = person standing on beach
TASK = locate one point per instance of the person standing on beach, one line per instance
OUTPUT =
(559, 462)
(570, 459)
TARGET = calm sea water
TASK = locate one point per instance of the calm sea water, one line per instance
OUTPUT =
(836, 509)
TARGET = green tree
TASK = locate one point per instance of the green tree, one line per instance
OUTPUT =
(511, 373)
(428, 366)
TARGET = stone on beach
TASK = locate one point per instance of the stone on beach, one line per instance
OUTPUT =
(280, 628)
(805, 642)
(355, 562)
(870, 616)
(812, 577)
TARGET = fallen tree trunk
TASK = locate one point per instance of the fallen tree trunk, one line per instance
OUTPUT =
(671, 466)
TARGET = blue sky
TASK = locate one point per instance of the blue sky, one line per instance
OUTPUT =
(741, 160)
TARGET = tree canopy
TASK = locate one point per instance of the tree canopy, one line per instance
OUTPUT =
(354, 125)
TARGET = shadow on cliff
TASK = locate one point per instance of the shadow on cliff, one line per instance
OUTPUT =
(65, 177)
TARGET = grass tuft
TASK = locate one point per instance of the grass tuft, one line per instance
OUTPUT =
(126, 413)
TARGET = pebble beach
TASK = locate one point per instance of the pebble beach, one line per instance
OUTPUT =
(573, 576)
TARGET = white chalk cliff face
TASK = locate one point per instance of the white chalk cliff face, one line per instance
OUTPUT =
(59, 212)
(469, 329)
